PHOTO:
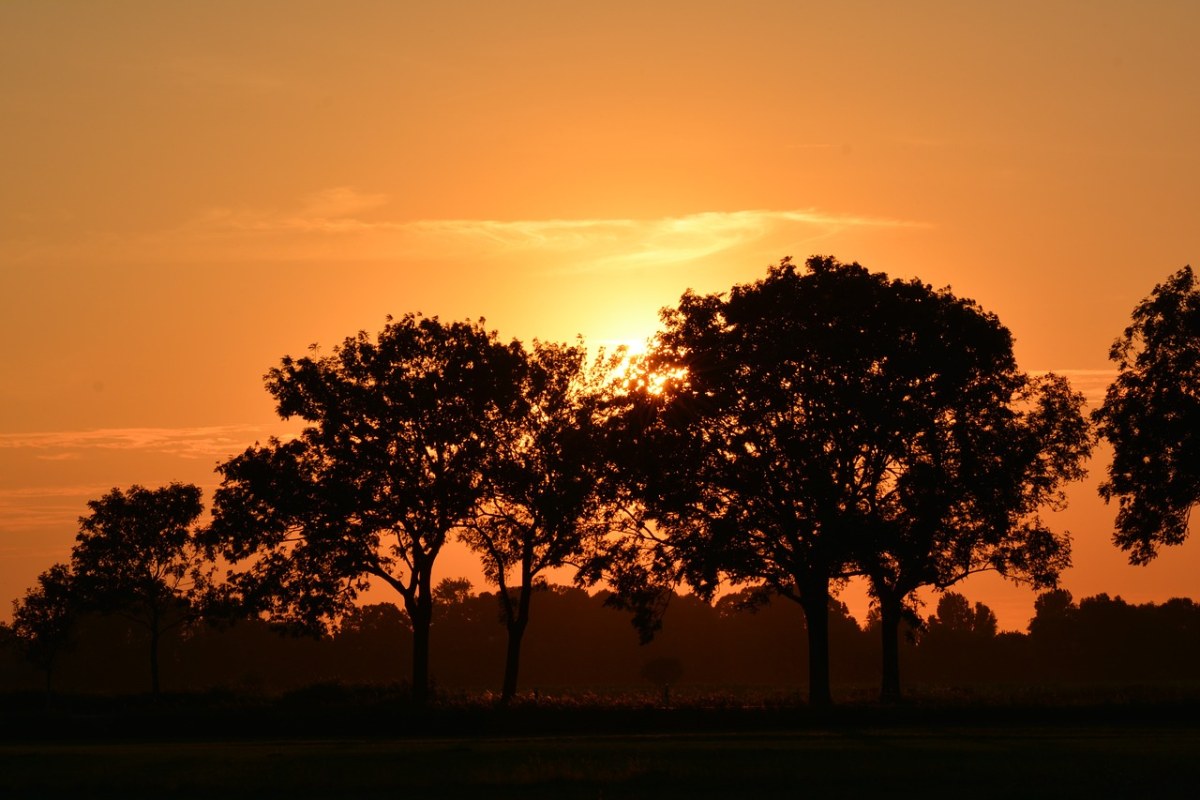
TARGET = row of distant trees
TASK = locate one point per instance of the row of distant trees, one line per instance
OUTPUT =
(822, 423)
(579, 644)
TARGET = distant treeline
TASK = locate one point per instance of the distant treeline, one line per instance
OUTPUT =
(579, 644)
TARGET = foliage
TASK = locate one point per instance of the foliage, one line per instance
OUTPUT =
(827, 422)
(401, 428)
(543, 502)
(138, 554)
(44, 619)
(1151, 416)
(138, 551)
(956, 617)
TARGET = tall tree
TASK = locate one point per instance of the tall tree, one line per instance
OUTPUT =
(1151, 416)
(402, 426)
(829, 422)
(542, 504)
(760, 419)
(138, 555)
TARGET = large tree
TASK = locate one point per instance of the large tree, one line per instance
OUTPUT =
(759, 417)
(138, 555)
(825, 422)
(401, 427)
(1151, 416)
(542, 505)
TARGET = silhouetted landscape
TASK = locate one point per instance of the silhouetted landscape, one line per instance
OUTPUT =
(599, 400)
(823, 423)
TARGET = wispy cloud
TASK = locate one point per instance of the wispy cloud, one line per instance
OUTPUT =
(344, 222)
(586, 244)
(36, 508)
(212, 441)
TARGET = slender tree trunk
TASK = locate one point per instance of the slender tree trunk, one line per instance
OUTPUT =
(815, 602)
(517, 620)
(421, 615)
(890, 608)
(516, 632)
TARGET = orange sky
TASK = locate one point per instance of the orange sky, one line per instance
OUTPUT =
(190, 191)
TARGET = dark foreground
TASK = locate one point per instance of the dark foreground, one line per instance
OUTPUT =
(1112, 762)
(1043, 752)
(345, 743)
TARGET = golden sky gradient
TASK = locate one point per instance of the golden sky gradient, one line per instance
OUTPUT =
(189, 191)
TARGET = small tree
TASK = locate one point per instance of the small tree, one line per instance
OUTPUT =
(138, 555)
(1151, 416)
(542, 504)
(402, 426)
(44, 619)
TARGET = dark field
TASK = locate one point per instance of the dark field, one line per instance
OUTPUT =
(851, 753)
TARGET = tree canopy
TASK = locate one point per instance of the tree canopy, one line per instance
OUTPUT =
(542, 503)
(828, 422)
(401, 426)
(43, 620)
(1151, 416)
(138, 554)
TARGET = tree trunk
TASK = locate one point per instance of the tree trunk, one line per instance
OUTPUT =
(512, 659)
(890, 608)
(516, 632)
(815, 602)
(421, 615)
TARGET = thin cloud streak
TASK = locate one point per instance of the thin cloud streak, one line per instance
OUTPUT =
(192, 443)
(342, 221)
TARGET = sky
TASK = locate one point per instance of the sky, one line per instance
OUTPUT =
(192, 191)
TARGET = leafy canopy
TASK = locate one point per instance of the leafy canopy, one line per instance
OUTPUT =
(1151, 416)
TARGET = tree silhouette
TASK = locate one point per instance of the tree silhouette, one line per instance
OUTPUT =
(138, 555)
(1151, 416)
(44, 619)
(987, 448)
(542, 504)
(820, 424)
(402, 428)
(768, 423)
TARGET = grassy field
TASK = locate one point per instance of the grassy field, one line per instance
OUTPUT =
(930, 760)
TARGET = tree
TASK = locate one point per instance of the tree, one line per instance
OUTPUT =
(542, 504)
(402, 426)
(760, 419)
(138, 555)
(821, 424)
(955, 618)
(989, 449)
(1151, 416)
(44, 619)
